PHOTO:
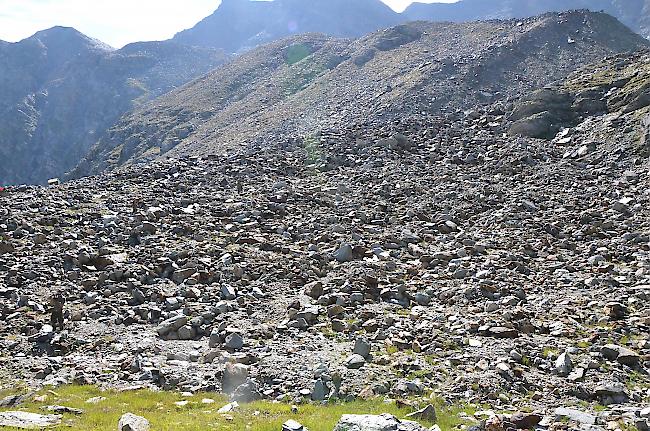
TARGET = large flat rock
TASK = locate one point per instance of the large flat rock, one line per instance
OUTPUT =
(25, 420)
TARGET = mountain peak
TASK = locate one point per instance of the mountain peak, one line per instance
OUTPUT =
(69, 38)
(238, 25)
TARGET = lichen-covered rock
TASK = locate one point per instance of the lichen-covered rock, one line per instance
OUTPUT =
(384, 422)
(25, 420)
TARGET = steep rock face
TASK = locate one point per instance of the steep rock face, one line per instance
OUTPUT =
(298, 87)
(633, 13)
(243, 24)
(61, 90)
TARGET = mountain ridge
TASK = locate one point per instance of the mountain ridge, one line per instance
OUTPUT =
(418, 66)
(239, 25)
(633, 13)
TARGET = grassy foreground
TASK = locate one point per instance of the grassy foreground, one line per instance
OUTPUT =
(164, 415)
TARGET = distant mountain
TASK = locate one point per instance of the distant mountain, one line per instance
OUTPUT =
(295, 89)
(633, 13)
(61, 90)
(243, 24)
(239, 25)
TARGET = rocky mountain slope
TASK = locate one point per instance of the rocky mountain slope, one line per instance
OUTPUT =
(401, 256)
(243, 24)
(61, 90)
(633, 13)
(304, 85)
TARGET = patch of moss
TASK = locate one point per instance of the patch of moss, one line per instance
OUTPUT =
(297, 52)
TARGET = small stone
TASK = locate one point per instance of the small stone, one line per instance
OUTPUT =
(14, 400)
(234, 375)
(563, 365)
(183, 274)
(314, 290)
(247, 392)
(234, 341)
(320, 391)
(384, 422)
(503, 332)
(63, 409)
(354, 362)
(362, 348)
(577, 374)
(428, 414)
(228, 408)
(526, 421)
(186, 333)
(172, 324)
(344, 253)
(215, 338)
(422, 298)
(575, 415)
(611, 393)
(339, 325)
(228, 293)
(292, 425)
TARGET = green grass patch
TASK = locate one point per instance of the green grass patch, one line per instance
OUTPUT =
(584, 344)
(312, 148)
(550, 353)
(298, 52)
(164, 415)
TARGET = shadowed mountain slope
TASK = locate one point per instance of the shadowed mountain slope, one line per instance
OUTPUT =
(61, 90)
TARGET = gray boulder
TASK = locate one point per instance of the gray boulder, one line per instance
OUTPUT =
(563, 364)
(621, 354)
(354, 362)
(234, 375)
(362, 348)
(234, 341)
(344, 253)
(131, 422)
(172, 324)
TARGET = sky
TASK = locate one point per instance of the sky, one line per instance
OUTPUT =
(116, 22)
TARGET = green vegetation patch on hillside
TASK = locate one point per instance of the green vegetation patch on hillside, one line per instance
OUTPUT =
(169, 411)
